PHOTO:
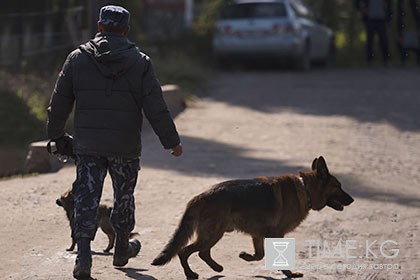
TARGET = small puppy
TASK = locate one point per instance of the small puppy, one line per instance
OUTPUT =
(104, 213)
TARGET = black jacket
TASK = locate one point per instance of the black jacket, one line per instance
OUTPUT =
(112, 83)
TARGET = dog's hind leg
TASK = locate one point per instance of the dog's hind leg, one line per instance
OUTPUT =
(183, 257)
(111, 238)
(204, 253)
(259, 250)
(205, 256)
(73, 244)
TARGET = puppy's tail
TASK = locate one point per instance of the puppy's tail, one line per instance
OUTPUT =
(181, 236)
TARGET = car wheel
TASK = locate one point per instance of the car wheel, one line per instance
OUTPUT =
(304, 61)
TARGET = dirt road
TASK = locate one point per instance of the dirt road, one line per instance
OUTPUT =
(366, 123)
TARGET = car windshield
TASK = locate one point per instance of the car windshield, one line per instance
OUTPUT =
(254, 10)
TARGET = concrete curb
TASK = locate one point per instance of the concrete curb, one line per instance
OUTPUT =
(174, 99)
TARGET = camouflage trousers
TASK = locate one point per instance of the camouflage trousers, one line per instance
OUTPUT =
(87, 192)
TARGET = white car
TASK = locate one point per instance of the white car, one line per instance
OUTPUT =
(284, 29)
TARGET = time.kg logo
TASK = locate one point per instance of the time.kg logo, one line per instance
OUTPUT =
(280, 253)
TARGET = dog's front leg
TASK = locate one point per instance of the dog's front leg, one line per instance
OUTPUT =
(259, 250)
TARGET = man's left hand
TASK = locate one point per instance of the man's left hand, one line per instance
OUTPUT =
(177, 151)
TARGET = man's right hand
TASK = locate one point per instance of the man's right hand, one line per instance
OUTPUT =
(63, 145)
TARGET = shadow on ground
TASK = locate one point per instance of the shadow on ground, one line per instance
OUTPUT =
(211, 158)
(134, 273)
(358, 189)
(231, 162)
(367, 95)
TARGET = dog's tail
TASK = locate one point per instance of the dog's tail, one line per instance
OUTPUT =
(181, 236)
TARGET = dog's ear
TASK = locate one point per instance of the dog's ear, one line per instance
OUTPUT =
(314, 164)
(321, 168)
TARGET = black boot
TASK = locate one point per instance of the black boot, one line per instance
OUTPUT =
(125, 249)
(84, 259)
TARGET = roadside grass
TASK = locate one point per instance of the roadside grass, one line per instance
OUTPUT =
(19, 125)
(178, 67)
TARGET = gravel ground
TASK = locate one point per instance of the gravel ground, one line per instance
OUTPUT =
(366, 123)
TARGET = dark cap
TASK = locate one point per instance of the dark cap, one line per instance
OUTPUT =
(115, 16)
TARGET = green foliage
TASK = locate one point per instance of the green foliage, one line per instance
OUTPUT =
(36, 102)
(179, 67)
(18, 126)
(205, 23)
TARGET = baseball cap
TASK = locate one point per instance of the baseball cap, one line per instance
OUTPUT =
(114, 16)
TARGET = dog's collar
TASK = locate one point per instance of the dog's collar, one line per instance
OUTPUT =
(307, 191)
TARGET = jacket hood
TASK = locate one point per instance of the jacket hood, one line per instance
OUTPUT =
(113, 54)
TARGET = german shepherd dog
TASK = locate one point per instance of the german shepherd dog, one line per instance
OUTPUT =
(104, 212)
(265, 207)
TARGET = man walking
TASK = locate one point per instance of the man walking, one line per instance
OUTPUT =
(376, 14)
(111, 83)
